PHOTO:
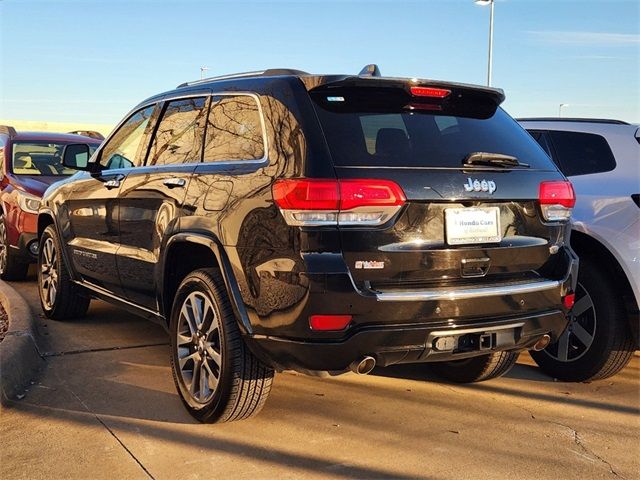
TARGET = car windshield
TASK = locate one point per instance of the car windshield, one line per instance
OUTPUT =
(41, 158)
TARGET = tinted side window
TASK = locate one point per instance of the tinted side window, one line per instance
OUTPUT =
(536, 135)
(126, 147)
(582, 153)
(234, 130)
(179, 135)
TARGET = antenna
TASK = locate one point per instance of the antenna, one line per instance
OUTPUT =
(370, 70)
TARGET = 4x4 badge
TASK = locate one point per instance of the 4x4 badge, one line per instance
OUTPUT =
(480, 186)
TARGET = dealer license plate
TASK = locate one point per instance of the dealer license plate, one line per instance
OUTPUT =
(472, 225)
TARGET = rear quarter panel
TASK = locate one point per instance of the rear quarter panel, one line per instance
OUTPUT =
(233, 202)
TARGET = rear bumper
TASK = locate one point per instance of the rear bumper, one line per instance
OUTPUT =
(410, 343)
(404, 326)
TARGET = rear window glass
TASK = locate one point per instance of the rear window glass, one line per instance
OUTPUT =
(420, 139)
(582, 153)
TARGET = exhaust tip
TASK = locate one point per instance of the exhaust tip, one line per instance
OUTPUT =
(363, 366)
(542, 343)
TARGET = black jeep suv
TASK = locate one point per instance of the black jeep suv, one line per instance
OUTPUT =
(280, 220)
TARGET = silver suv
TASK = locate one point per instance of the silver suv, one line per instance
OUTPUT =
(602, 159)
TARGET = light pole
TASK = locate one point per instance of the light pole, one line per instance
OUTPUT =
(489, 67)
(560, 108)
(202, 70)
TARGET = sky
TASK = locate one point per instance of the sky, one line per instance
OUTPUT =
(92, 61)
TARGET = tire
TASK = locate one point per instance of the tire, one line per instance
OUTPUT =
(209, 346)
(60, 298)
(11, 267)
(476, 369)
(598, 342)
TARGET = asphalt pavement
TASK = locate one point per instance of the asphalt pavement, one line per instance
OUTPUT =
(105, 407)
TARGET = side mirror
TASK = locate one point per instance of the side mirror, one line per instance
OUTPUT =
(76, 156)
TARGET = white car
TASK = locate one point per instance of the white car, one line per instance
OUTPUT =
(602, 160)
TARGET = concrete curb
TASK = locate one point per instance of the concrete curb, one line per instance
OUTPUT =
(19, 356)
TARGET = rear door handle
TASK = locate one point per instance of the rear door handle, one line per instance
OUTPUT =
(174, 182)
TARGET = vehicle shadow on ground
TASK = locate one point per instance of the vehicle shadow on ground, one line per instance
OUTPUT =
(270, 454)
(137, 384)
(422, 372)
(126, 405)
(327, 406)
(131, 393)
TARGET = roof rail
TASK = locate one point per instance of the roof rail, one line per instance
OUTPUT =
(271, 72)
(6, 129)
(370, 70)
(576, 120)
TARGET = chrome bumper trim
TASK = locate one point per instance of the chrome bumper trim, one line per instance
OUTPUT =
(466, 293)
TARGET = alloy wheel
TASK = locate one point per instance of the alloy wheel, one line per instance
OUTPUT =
(199, 347)
(3, 248)
(579, 335)
(49, 273)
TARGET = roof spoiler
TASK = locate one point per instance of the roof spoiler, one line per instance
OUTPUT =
(495, 95)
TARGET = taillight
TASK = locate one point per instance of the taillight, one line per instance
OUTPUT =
(329, 322)
(557, 199)
(306, 194)
(311, 202)
(569, 300)
(430, 92)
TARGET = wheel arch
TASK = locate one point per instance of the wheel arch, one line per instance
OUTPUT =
(589, 248)
(186, 252)
(44, 220)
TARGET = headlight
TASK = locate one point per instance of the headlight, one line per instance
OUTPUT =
(28, 203)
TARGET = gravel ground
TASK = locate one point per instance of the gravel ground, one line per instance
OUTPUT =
(4, 323)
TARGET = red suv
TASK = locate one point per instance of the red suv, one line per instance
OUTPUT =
(29, 163)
